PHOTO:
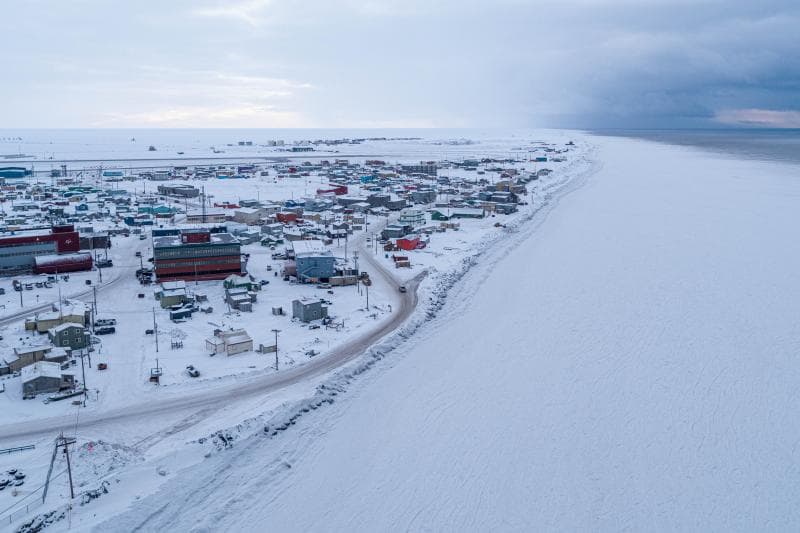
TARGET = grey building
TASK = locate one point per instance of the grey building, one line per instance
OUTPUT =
(308, 310)
(378, 200)
(44, 377)
(182, 191)
(395, 231)
(395, 204)
(431, 169)
(424, 196)
(68, 335)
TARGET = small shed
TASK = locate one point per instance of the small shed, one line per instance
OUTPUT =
(229, 342)
(308, 310)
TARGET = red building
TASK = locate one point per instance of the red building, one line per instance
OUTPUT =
(18, 250)
(286, 216)
(338, 190)
(196, 255)
(408, 244)
(59, 264)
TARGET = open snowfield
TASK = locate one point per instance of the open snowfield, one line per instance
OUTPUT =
(630, 364)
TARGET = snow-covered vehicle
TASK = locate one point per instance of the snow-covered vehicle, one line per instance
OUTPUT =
(192, 371)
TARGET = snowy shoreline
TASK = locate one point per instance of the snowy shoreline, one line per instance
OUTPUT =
(437, 290)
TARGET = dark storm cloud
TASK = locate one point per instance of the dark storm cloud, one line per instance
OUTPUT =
(583, 63)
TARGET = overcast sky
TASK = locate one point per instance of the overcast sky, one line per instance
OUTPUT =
(397, 63)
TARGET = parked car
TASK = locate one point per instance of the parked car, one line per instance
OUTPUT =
(104, 263)
(105, 322)
(403, 288)
(148, 332)
(88, 282)
(192, 371)
(105, 330)
(324, 286)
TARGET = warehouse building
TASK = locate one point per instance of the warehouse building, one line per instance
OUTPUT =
(18, 250)
(181, 191)
(59, 264)
(196, 254)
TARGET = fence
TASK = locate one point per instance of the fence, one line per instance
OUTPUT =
(22, 512)
(17, 449)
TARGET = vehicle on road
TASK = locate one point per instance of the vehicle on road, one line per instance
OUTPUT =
(403, 288)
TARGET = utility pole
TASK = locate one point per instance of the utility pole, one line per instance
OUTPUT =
(367, 286)
(155, 327)
(276, 331)
(61, 442)
(83, 373)
(60, 303)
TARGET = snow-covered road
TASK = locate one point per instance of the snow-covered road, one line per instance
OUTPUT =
(631, 365)
(202, 404)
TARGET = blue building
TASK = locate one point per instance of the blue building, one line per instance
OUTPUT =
(314, 262)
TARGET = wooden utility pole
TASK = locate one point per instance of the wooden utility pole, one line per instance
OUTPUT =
(61, 442)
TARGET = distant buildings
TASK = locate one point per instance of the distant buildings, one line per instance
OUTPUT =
(181, 191)
(425, 167)
(209, 215)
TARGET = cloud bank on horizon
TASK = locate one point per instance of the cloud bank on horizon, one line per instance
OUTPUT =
(401, 63)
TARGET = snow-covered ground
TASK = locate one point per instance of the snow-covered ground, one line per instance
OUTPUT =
(631, 364)
(131, 432)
